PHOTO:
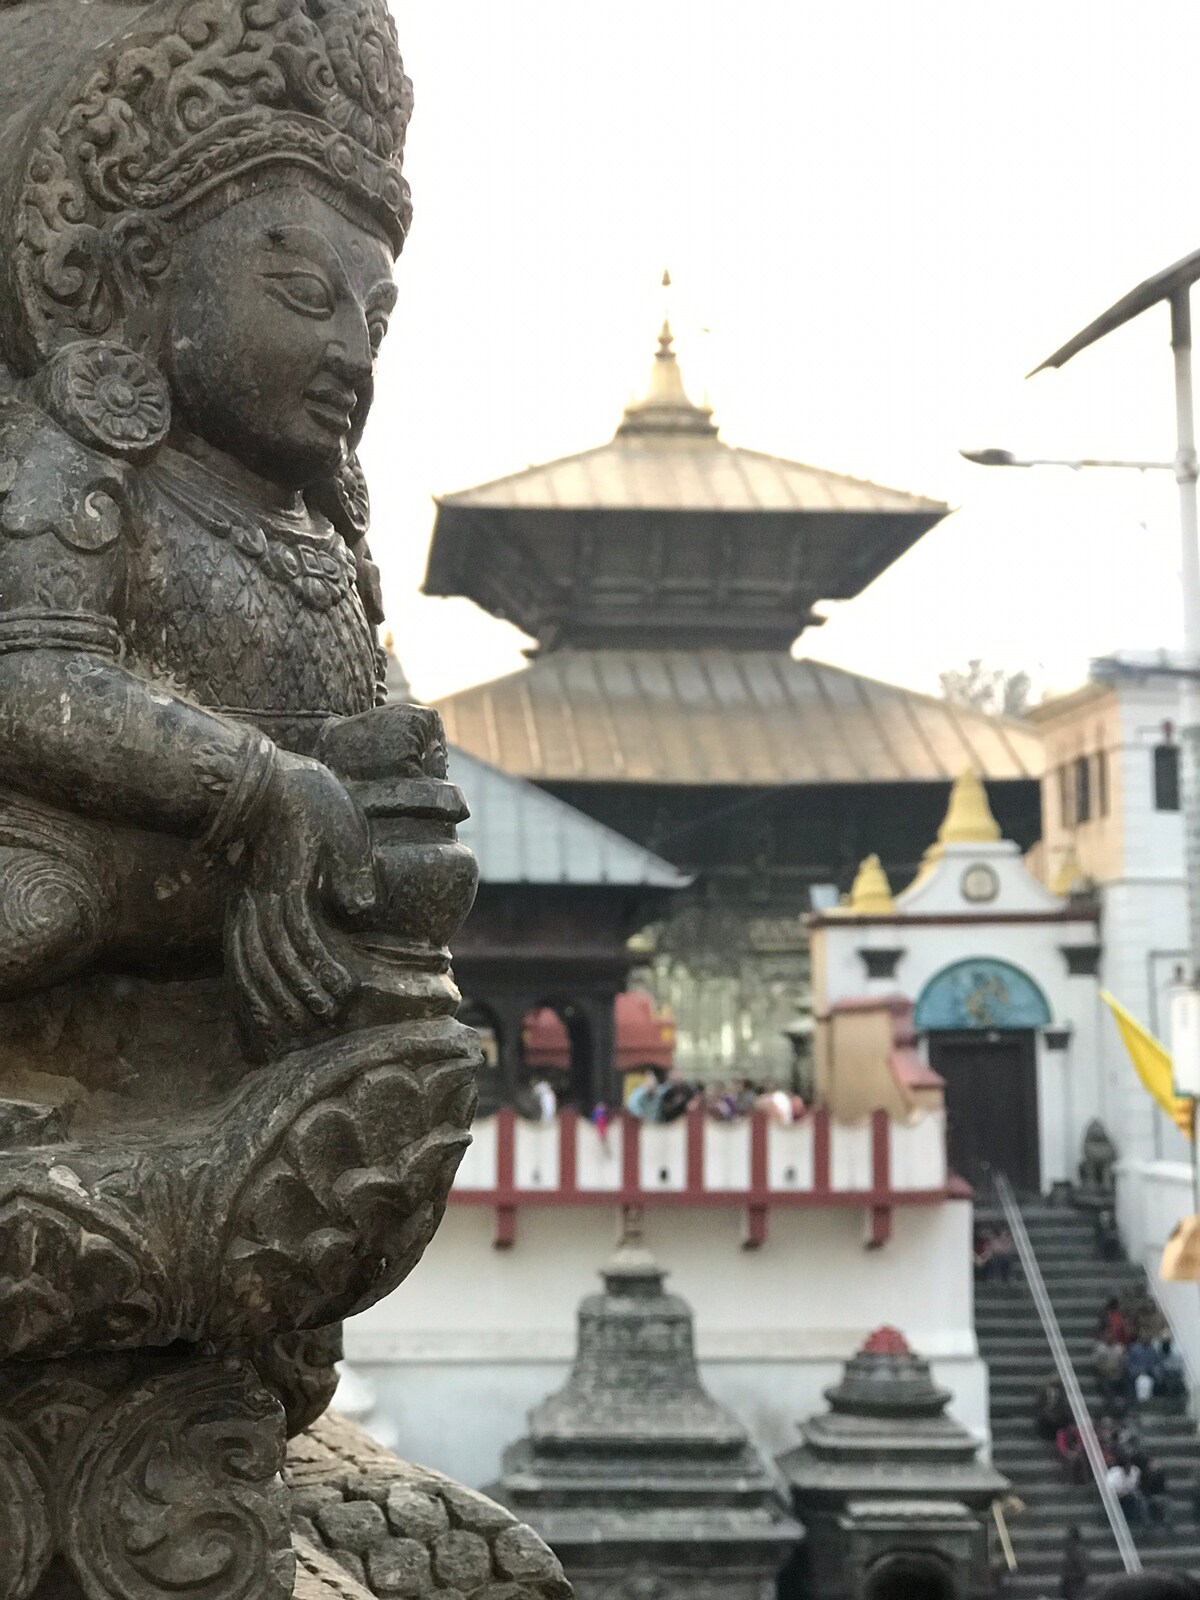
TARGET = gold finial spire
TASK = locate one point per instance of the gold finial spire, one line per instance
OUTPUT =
(666, 406)
(871, 893)
(969, 818)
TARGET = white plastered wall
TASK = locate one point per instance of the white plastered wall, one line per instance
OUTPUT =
(459, 1354)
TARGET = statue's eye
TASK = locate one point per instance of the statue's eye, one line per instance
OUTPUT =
(302, 291)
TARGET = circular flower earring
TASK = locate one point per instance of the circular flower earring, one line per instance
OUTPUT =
(109, 398)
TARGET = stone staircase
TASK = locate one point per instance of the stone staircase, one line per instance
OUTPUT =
(1012, 1343)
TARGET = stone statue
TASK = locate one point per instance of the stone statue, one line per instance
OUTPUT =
(233, 1094)
(1097, 1181)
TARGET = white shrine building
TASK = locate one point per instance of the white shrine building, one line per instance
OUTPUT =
(1002, 977)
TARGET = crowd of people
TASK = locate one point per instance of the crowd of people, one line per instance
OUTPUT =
(1134, 1362)
(666, 1097)
(1134, 1359)
(659, 1096)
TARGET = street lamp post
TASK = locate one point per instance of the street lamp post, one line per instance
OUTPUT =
(1172, 286)
(1006, 458)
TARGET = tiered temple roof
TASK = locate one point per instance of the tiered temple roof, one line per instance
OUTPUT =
(668, 536)
(725, 717)
(665, 576)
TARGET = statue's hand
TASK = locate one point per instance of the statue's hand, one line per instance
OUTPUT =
(311, 849)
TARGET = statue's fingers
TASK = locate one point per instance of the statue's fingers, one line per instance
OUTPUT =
(261, 960)
(312, 948)
(300, 974)
(253, 1001)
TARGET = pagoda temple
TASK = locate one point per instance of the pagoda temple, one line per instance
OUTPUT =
(665, 577)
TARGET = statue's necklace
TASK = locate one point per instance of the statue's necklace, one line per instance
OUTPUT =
(284, 543)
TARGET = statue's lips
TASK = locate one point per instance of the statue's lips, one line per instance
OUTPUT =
(331, 407)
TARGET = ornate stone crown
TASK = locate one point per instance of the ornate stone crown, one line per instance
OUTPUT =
(185, 99)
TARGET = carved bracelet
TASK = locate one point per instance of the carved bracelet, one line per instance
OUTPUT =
(243, 798)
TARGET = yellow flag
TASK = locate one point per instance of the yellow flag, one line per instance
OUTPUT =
(1152, 1062)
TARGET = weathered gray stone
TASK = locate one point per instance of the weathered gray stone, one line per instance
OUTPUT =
(233, 1092)
(521, 1554)
(461, 1560)
(474, 1511)
(310, 1499)
(304, 1528)
(401, 1567)
(642, 1484)
(352, 1563)
(886, 1477)
(429, 1557)
(352, 1525)
(413, 1512)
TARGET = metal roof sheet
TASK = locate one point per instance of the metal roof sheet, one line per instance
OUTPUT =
(725, 717)
(521, 834)
(685, 472)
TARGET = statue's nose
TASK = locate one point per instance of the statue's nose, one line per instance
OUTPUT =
(351, 358)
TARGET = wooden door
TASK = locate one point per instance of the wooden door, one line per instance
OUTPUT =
(991, 1104)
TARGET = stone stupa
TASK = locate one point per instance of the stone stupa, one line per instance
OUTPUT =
(891, 1489)
(645, 1485)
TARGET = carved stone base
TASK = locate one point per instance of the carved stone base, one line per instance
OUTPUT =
(132, 1477)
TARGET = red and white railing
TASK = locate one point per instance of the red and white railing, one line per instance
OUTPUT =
(753, 1163)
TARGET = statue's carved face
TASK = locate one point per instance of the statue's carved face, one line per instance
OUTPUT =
(278, 307)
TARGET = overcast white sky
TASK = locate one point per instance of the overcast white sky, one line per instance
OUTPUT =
(884, 214)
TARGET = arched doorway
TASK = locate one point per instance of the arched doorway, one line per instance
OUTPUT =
(556, 1041)
(981, 1017)
(912, 1575)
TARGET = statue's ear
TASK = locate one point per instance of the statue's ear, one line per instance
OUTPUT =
(140, 253)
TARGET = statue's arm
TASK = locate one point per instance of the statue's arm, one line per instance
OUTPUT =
(79, 729)
(76, 727)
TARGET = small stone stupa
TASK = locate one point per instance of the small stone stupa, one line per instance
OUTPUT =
(646, 1487)
(890, 1488)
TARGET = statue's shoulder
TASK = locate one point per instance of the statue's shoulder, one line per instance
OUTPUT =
(72, 440)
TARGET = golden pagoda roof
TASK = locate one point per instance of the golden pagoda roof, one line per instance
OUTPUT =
(668, 536)
(666, 407)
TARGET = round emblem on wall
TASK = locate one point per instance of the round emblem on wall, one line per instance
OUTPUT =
(980, 884)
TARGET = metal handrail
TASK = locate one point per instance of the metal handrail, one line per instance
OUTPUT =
(1066, 1373)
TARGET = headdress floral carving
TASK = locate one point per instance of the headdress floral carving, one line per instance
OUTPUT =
(199, 94)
